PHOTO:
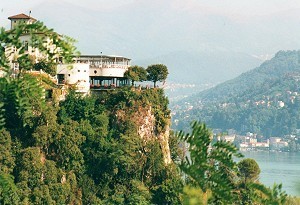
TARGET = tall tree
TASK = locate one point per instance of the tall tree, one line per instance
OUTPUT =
(136, 73)
(157, 72)
(249, 170)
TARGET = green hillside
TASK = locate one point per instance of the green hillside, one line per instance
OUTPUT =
(284, 62)
(264, 100)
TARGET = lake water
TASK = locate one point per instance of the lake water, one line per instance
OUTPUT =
(279, 167)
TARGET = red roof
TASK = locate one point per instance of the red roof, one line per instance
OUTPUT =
(20, 16)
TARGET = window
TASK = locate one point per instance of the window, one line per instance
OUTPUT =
(61, 78)
(95, 71)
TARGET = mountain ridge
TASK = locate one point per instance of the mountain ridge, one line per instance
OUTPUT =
(270, 69)
(265, 100)
(144, 32)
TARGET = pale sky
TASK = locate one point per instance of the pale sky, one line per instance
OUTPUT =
(241, 7)
(152, 29)
(245, 12)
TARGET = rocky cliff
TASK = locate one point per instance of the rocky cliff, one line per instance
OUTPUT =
(148, 111)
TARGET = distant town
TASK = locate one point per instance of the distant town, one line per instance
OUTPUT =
(254, 142)
(248, 139)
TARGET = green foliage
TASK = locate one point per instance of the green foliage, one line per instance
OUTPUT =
(176, 148)
(210, 166)
(136, 73)
(8, 190)
(7, 160)
(157, 72)
(77, 107)
(159, 104)
(29, 168)
(293, 200)
(139, 193)
(67, 146)
(249, 169)
(2, 119)
(23, 101)
(194, 196)
(264, 195)
(89, 190)
(49, 68)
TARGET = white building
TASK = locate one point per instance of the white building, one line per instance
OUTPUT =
(88, 72)
(94, 72)
(20, 18)
(13, 53)
(76, 74)
(227, 138)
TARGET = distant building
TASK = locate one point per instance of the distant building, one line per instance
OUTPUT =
(277, 143)
(275, 140)
(227, 138)
(280, 104)
(24, 38)
(20, 18)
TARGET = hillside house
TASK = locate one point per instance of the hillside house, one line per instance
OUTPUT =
(88, 72)
(94, 72)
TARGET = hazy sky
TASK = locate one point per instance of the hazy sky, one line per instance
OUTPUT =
(203, 31)
(229, 7)
(216, 21)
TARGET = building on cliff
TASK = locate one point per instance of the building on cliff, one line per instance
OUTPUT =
(87, 73)
(94, 72)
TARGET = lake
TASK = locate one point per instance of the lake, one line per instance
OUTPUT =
(279, 167)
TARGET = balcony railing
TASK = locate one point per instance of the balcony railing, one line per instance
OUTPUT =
(93, 66)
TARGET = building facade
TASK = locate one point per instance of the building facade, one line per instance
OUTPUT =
(94, 72)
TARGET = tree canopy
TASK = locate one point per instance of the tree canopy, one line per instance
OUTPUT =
(249, 169)
(157, 72)
(136, 73)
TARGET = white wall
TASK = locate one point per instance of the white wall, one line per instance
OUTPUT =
(107, 72)
(76, 74)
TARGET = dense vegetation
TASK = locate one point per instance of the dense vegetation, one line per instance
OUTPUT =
(82, 153)
(87, 150)
(265, 100)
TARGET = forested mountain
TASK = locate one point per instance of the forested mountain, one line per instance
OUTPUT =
(264, 100)
(284, 62)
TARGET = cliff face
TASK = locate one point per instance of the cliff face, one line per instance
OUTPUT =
(151, 117)
(147, 130)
